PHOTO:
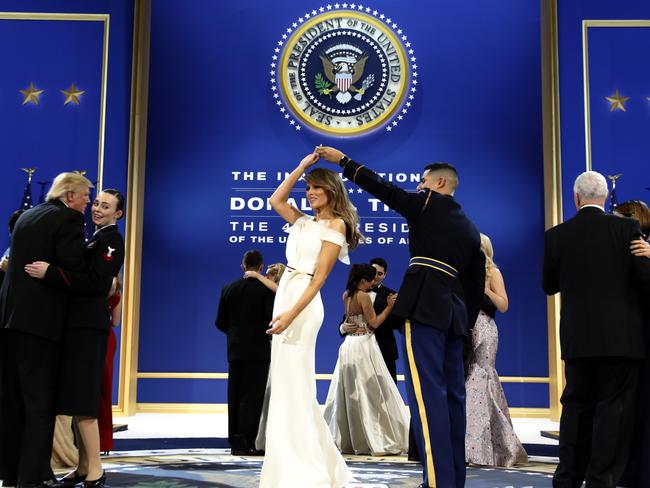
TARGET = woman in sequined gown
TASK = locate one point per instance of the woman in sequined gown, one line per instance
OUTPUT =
(490, 439)
(299, 449)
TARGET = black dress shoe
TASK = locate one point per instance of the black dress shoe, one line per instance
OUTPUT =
(240, 452)
(98, 483)
(72, 479)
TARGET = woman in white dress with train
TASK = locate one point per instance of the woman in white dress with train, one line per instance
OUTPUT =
(300, 451)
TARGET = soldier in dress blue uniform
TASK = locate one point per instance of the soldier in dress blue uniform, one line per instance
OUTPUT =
(440, 299)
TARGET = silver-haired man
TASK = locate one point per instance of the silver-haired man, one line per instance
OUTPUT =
(587, 260)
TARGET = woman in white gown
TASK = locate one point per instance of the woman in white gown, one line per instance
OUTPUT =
(299, 449)
(364, 409)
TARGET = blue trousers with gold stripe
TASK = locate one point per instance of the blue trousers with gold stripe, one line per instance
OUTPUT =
(435, 386)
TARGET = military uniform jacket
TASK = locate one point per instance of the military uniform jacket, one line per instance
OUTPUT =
(603, 286)
(89, 287)
(438, 229)
(48, 232)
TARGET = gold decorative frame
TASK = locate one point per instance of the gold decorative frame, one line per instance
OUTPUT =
(552, 185)
(105, 18)
(222, 407)
(586, 24)
(319, 376)
(129, 374)
(135, 196)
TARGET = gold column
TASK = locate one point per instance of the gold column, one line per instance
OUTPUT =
(552, 183)
(135, 206)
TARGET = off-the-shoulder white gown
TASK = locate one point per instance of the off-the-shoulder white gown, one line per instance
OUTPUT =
(300, 451)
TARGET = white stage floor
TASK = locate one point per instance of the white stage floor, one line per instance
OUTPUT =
(164, 425)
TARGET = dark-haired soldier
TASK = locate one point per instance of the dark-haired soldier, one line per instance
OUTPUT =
(245, 311)
(440, 298)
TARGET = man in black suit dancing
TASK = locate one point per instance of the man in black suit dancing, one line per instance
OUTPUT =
(587, 260)
(440, 299)
(245, 311)
(34, 315)
(379, 294)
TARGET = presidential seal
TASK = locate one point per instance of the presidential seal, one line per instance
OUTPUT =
(344, 70)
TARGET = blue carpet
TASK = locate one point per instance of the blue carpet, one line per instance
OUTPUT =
(204, 470)
(222, 443)
(170, 443)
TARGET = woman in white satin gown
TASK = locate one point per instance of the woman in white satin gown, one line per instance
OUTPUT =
(299, 449)
(364, 410)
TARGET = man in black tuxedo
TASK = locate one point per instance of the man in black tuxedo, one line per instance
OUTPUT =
(440, 298)
(245, 311)
(603, 287)
(384, 333)
(34, 317)
(379, 294)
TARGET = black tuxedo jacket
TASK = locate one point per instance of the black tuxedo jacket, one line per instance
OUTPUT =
(438, 229)
(103, 259)
(384, 333)
(603, 286)
(244, 313)
(48, 232)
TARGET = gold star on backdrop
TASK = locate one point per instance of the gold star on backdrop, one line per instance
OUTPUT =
(617, 101)
(72, 95)
(31, 94)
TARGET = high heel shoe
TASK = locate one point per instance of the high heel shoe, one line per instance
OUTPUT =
(98, 483)
(72, 479)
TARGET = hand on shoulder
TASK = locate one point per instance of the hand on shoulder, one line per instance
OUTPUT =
(639, 247)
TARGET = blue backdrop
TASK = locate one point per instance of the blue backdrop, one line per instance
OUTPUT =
(217, 141)
(51, 136)
(619, 142)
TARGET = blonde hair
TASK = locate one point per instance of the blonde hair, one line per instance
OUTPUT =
(338, 201)
(274, 272)
(65, 182)
(486, 247)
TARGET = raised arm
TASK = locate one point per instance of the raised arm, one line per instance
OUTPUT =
(326, 259)
(372, 319)
(407, 204)
(270, 284)
(495, 289)
(280, 197)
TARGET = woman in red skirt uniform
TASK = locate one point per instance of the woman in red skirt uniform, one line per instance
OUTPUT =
(105, 419)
